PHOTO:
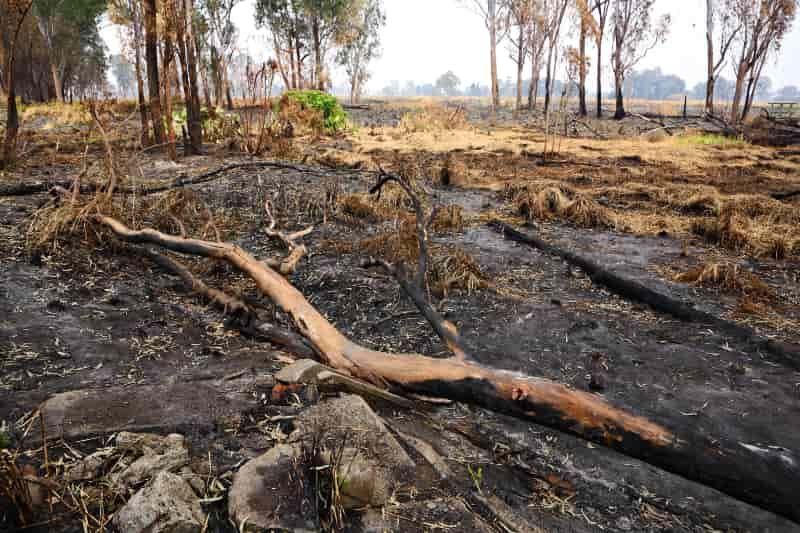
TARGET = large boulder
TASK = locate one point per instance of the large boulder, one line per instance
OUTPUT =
(165, 505)
(368, 458)
(273, 492)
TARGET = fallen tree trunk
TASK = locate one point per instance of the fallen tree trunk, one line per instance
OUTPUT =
(24, 189)
(782, 352)
(766, 477)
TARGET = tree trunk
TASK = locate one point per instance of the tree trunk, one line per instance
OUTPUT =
(227, 83)
(548, 79)
(151, 52)
(737, 95)
(619, 112)
(317, 54)
(12, 118)
(195, 121)
(167, 74)
(710, 78)
(137, 53)
(582, 69)
(520, 68)
(599, 78)
(492, 6)
(57, 82)
(755, 474)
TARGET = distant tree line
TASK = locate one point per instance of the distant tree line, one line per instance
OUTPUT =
(648, 84)
(555, 38)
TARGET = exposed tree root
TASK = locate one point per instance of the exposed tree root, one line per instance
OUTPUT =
(784, 353)
(761, 476)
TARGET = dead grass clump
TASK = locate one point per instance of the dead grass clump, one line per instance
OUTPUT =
(727, 277)
(14, 488)
(727, 230)
(433, 118)
(452, 173)
(299, 119)
(358, 206)
(585, 212)
(63, 219)
(703, 203)
(448, 219)
(451, 268)
(552, 202)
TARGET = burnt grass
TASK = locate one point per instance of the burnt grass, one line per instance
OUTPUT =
(74, 319)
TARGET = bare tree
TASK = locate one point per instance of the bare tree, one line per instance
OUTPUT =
(151, 53)
(495, 17)
(12, 17)
(634, 36)
(360, 43)
(128, 14)
(600, 15)
(536, 41)
(521, 14)
(587, 29)
(764, 23)
(186, 52)
(554, 11)
(718, 12)
(222, 33)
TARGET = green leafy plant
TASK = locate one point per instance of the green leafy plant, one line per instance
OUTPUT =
(477, 477)
(334, 117)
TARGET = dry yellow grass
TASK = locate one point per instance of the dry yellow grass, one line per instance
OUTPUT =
(727, 277)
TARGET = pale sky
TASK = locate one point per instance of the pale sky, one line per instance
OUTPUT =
(423, 39)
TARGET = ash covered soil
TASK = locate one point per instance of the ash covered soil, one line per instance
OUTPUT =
(142, 354)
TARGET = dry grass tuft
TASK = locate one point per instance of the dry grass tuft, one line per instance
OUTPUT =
(727, 277)
(452, 173)
(549, 202)
(433, 118)
(448, 219)
(727, 230)
(450, 267)
(14, 488)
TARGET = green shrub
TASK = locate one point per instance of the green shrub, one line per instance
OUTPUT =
(335, 118)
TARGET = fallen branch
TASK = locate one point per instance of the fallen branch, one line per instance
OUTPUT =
(769, 478)
(631, 290)
(233, 306)
(24, 189)
(785, 195)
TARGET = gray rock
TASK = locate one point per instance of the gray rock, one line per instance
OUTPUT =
(90, 467)
(88, 412)
(158, 454)
(165, 505)
(149, 442)
(372, 463)
(273, 492)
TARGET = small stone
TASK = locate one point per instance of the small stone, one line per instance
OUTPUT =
(158, 454)
(90, 467)
(624, 523)
(166, 505)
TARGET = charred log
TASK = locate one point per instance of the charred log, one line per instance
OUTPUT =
(782, 352)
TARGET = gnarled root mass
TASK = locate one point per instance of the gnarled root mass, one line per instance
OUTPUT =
(760, 476)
